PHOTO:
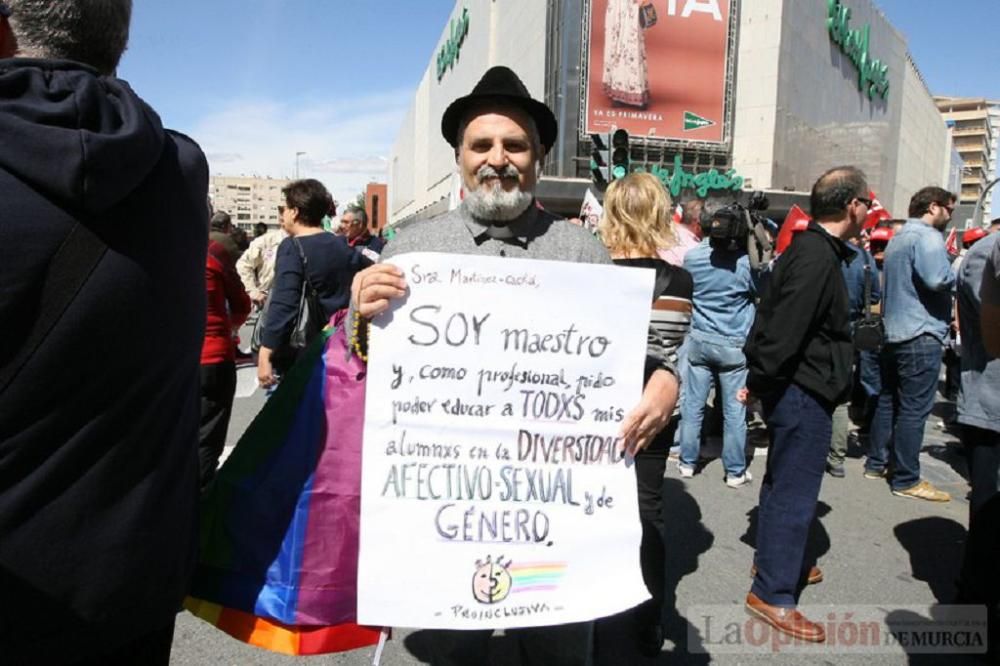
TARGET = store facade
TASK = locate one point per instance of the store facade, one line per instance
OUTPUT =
(734, 96)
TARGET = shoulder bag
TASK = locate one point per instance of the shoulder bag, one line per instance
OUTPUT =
(309, 319)
(869, 333)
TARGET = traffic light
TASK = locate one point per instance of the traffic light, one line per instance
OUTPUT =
(599, 162)
(619, 154)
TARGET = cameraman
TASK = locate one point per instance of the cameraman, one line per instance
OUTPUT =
(724, 294)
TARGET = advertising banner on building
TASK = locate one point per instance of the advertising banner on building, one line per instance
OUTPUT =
(493, 491)
(657, 68)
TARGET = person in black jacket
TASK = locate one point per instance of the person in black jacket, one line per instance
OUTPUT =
(98, 437)
(799, 354)
(330, 265)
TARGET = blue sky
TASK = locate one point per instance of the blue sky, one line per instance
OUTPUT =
(254, 81)
(945, 36)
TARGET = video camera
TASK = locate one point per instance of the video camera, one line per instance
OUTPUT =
(743, 227)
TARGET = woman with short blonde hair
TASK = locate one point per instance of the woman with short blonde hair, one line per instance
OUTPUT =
(636, 223)
(637, 217)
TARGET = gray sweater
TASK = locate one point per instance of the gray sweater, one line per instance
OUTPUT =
(536, 234)
(979, 396)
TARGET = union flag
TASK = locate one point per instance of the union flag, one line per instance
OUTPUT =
(796, 220)
(951, 243)
(876, 213)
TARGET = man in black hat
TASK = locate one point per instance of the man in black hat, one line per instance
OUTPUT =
(501, 135)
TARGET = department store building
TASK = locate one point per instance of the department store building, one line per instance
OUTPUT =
(744, 95)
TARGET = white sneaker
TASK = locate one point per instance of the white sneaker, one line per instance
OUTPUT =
(685, 471)
(738, 481)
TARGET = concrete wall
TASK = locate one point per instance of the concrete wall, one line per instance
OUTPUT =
(924, 144)
(500, 33)
(402, 175)
(756, 93)
(824, 119)
(799, 110)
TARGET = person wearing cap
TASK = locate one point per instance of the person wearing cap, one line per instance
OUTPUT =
(878, 241)
(969, 238)
(917, 298)
(501, 136)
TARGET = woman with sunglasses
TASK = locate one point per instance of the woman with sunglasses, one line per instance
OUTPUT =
(312, 257)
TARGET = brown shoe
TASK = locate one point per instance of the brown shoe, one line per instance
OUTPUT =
(786, 620)
(925, 491)
(815, 574)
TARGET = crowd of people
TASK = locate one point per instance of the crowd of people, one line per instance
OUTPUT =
(101, 443)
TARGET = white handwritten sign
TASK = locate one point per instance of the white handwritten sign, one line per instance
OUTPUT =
(493, 492)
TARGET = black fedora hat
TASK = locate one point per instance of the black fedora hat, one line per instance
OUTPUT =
(500, 85)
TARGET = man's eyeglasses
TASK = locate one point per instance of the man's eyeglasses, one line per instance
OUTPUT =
(950, 209)
(866, 202)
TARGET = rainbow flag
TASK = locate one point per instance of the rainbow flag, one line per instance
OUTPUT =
(279, 527)
(534, 576)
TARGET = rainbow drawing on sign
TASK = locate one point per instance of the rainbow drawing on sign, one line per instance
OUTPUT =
(536, 576)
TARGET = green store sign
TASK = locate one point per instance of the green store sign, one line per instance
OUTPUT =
(679, 179)
(448, 54)
(873, 76)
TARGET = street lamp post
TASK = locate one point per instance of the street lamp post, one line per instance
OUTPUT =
(298, 154)
(977, 217)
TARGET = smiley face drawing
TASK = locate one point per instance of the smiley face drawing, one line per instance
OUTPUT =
(491, 581)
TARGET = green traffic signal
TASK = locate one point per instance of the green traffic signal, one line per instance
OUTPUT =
(619, 154)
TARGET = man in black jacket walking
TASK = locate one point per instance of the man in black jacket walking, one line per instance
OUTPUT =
(799, 354)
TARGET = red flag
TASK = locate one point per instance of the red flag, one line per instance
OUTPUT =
(876, 213)
(796, 220)
(951, 244)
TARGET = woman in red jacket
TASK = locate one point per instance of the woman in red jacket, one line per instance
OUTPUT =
(228, 308)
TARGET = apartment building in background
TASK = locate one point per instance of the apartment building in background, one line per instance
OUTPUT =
(248, 200)
(974, 136)
(992, 210)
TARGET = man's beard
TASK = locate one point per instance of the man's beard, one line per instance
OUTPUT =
(494, 203)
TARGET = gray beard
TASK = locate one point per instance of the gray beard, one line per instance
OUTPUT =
(495, 204)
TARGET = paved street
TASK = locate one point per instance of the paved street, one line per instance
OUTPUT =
(874, 549)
